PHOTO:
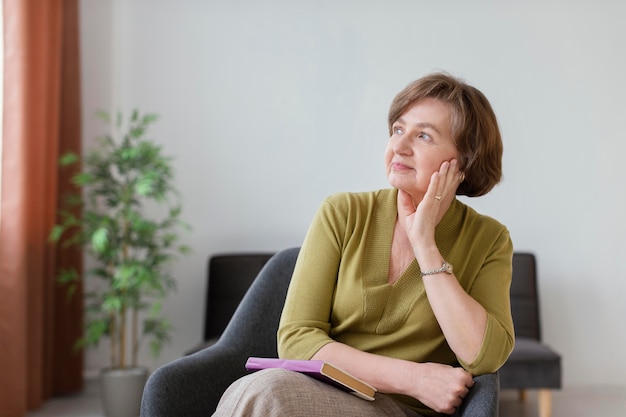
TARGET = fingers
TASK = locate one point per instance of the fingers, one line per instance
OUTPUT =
(460, 391)
(451, 387)
(448, 178)
(443, 183)
(464, 382)
(453, 403)
(461, 394)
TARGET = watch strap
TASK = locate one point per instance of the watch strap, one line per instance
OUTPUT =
(446, 267)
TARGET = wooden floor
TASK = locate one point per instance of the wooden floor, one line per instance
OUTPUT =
(569, 402)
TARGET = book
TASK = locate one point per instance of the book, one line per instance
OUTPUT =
(317, 369)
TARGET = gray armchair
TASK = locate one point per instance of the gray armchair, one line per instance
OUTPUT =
(192, 385)
(229, 275)
(532, 364)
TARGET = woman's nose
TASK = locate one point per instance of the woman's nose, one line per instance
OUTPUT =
(401, 144)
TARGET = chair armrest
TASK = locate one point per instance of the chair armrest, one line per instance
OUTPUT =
(483, 399)
(192, 385)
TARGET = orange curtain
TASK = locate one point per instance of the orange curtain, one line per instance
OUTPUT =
(41, 119)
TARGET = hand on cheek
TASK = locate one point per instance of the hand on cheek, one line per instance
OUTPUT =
(420, 222)
(443, 183)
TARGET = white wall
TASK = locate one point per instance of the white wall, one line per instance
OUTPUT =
(270, 106)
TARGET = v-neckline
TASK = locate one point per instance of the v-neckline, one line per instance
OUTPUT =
(386, 305)
(380, 235)
(406, 264)
(382, 227)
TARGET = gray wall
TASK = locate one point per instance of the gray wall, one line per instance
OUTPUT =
(269, 106)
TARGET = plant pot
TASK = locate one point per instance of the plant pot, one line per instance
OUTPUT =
(122, 390)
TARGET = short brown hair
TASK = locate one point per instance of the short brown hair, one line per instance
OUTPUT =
(474, 128)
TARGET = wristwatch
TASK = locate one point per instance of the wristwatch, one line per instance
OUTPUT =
(446, 267)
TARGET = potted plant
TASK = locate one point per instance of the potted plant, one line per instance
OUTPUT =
(129, 225)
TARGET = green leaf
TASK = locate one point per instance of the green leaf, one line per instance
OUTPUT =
(100, 272)
(159, 329)
(129, 154)
(68, 159)
(83, 178)
(94, 332)
(156, 309)
(103, 115)
(55, 233)
(72, 200)
(137, 132)
(150, 118)
(100, 240)
(124, 276)
(175, 212)
(112, 303)
(67, 276)
(144, 186)
(71, 290)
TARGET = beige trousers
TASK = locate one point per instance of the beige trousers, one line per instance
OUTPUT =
(277, 392)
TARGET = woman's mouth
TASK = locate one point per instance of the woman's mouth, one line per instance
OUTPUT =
(397, 166)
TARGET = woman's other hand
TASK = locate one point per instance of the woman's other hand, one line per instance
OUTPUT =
(440, 387)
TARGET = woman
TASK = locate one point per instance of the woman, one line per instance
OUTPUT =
(406, 288)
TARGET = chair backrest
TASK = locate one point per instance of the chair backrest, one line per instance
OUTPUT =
(254, 325)
(525, 296)
(229, 277)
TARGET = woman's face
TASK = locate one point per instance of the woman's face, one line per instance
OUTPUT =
(421, 141)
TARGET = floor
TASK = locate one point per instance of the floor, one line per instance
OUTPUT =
(569, 402)
(85, 404)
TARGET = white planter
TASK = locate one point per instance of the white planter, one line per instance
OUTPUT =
(122, 390)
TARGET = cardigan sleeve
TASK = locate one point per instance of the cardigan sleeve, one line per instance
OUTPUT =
(305, 320)
(492, 290)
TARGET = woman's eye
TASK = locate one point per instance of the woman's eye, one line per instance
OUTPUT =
(424, 136)
(397, 130)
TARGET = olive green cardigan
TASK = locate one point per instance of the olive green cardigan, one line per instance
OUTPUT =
(340, 290)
